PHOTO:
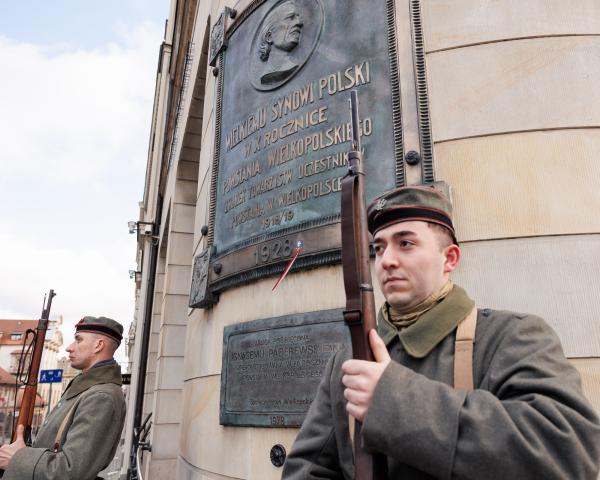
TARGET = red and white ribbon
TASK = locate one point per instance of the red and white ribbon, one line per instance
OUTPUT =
(297, 250)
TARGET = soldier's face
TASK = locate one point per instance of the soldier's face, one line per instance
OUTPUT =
(285, 34)
(409, 263)
(82, 350)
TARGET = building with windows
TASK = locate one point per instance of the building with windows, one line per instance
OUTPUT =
(11, 341)
(7, 395)
(10, 406)
(496, 99)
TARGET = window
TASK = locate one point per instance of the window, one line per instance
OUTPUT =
(16, 336)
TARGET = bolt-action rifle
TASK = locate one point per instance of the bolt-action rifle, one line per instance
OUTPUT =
(359, 314)
(34, 343)
(36, 340)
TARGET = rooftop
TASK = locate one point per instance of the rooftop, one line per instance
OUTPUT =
(12, 332)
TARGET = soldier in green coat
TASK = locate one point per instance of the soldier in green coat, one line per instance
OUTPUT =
(80, 436)
(522, 417)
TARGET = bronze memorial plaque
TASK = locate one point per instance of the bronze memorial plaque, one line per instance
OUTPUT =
(283, 130)
(272, 367)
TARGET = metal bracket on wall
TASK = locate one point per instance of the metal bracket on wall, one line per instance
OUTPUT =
(201, 296)
(218, 39)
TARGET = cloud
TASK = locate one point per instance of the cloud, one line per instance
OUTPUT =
(87, 282)
(77, 113)
(75, 128)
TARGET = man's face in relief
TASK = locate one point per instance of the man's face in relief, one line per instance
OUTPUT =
(286, 31)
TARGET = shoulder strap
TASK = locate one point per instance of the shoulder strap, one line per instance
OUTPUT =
(62, 427)
(463, 352)
(65, 421)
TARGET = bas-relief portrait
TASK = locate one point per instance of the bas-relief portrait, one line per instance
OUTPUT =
(283, 42)
(280, 36)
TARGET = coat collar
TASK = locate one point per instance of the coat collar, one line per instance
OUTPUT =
(423, 336)
(96, 375)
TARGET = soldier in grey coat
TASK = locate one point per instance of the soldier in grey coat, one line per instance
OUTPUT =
(80, 436)
(525, 416)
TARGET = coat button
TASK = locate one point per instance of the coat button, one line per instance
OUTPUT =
(486, 312)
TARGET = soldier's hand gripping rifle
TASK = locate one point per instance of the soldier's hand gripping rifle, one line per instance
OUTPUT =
(359, 314)
(36, 346)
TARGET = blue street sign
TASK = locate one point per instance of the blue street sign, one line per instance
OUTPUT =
(51, 376)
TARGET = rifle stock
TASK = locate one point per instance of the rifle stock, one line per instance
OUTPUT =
(359, 314)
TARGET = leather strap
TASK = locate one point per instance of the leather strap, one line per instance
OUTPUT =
(463, 352)
(62, 427)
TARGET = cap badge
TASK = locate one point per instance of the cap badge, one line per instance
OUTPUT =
(380, 204)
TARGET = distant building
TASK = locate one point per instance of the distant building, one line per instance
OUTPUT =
(12, 336)
(7, 395)
(68, 372)
(9, 409)
(54, 340)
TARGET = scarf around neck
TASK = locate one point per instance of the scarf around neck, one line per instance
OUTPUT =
(405, 319)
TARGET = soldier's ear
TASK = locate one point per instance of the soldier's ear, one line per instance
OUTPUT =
(100, 344)
(452, 254)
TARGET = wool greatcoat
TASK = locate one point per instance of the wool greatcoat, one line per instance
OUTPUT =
(526, 418)
(90, 438)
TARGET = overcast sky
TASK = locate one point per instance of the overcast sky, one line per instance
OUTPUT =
(76, 90)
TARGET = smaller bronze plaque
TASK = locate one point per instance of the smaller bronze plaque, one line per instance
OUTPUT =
(272, 367)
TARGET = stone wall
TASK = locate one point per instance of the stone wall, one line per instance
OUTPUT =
(515, 113)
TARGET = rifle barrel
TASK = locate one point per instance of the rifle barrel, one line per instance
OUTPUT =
(355, 120)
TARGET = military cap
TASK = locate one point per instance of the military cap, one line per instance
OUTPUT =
(103, 325)
(423, 203)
